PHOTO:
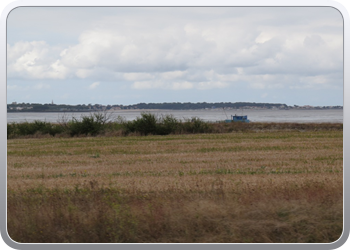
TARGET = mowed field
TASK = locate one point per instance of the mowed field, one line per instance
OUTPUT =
(280, 186)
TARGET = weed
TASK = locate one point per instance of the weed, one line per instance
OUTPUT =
(96, 155)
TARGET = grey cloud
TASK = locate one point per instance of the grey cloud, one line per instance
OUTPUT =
(313, 41)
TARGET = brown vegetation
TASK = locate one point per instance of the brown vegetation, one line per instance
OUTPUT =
(282, 186)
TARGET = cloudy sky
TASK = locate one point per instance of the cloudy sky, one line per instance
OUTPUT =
(120, 55)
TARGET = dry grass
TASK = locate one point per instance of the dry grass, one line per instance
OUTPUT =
(283, 186)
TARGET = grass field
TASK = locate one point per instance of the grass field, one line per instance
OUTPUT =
(281, 186)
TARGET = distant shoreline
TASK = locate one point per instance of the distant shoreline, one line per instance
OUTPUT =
(37, 107)
(146, 110)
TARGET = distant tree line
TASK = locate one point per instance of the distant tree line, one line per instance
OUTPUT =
(203, 105)
(37, 107)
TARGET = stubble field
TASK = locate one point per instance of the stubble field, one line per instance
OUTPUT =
(280, 186)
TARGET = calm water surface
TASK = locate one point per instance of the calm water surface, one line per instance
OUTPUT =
(299, 116)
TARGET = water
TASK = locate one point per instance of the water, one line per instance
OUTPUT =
(298, 116)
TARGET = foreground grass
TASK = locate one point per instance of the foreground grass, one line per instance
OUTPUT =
(283, 186)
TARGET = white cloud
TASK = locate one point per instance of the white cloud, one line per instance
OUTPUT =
(171, 75)
(94, 85)
(258, 85)
(181, 85)
(83, 73)
(13, 87)
(316, 82)
(58, 70)
(162, 85)
(41, 86)
(211, 85)
(35, 60)
(196, 51)
(263, 37)
(146, 85)
(137, 76)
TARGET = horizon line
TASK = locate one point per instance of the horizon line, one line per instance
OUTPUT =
(52, 103)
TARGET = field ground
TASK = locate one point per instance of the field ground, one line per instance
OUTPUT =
(282, 186)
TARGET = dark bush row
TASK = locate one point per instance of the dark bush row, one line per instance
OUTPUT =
(88, 125)
(97, 123)
(164, 125)
(149, 124)
(26, 128)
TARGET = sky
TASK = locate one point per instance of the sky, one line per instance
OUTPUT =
(128, 55)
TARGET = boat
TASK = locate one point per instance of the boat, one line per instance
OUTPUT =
(238, 118)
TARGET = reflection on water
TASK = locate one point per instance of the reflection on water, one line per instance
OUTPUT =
(300, 116)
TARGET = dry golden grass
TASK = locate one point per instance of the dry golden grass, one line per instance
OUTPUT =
(283, 186)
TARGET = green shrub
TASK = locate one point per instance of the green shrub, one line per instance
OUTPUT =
(27, 128)
(88, 125)
(196, 125)
(150, 124)
(11, 130)
(168, 124)
(55, 129)
(146, 124)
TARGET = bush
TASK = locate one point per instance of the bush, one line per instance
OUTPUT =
(89, 125)
(196, 125)
(11, 130)
(26, 128)
(55, 129)
(168, 124)
(146, 124)
(150, 124)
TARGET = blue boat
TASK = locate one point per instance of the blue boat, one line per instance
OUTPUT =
(238, 118)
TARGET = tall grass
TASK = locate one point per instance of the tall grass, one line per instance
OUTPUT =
(284, 187)
(309, 212)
